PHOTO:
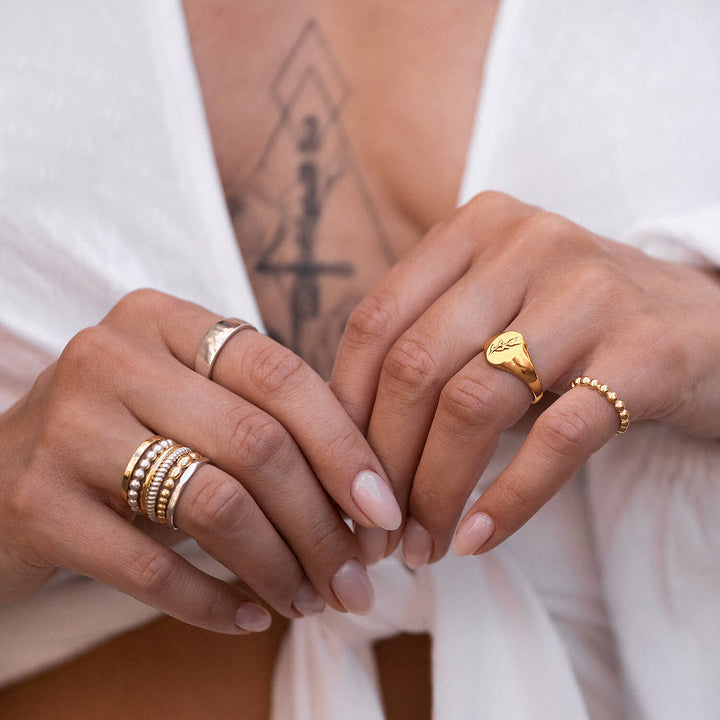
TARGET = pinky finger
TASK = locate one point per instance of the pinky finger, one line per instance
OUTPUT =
(110, 550)
(558, 445)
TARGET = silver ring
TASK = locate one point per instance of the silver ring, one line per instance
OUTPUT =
(177, 491)
(213, 343)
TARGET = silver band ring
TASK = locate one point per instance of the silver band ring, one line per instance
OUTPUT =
(178, 489)
(213, 342)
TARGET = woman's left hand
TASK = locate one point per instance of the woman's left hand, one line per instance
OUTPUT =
(411, 370)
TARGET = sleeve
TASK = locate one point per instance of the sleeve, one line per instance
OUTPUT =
(691, 237)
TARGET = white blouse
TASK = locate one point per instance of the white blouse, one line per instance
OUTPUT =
(605, 605)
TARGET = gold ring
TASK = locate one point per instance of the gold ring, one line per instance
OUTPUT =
(610, 396)
(509, 352)
(212, 343)
(155, 475)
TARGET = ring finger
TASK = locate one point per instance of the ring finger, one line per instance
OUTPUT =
(474, 408)
(220, 514)
(561, 440)
(264, 472)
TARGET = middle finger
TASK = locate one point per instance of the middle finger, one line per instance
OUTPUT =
(475, 407)
(443, 339)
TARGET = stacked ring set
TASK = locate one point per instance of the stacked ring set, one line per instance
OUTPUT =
(156, 476)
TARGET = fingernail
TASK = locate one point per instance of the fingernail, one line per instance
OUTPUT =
(375, 498)
(353, 588)
(308, 600)
(373, 543)
(417, 544)
(252, 617)
(473, 534)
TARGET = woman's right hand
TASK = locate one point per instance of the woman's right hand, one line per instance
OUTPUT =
(282, 450)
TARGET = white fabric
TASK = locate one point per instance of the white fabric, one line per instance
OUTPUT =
(521, 633)
(604, 112)
(655, 504)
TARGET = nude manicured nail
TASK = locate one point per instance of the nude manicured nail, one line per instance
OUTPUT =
(473, 534)
(373, 543)
(353, 588)
(308, 600)
(375, 498)
(417, 544)
(252, 617)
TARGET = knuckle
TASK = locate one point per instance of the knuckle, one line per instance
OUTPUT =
(342, 446)
(20, 500)
(489, 200)
(548, 226)
(142, 300)
(410, 363)
(469, 401)
(489, 205)
(441, 228)
(222, 506)
(257, 437)
(429, 505)
(211, 613)
(330, 539)
(369, 322)
(86, 352)
(276, 370)
(152, 570)
(545, 234)
(564, 432)
(514, 498)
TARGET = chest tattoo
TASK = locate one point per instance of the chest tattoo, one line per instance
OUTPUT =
(304, 217)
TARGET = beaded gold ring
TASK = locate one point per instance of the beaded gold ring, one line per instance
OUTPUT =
(610, 396)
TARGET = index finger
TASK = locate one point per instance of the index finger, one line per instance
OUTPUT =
(392, 306)
(560, 442)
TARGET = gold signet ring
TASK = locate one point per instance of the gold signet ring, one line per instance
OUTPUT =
(509, 352)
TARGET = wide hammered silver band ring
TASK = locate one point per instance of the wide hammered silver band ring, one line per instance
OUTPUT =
(213, 342)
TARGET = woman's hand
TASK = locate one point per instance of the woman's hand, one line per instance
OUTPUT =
(412, 373)
(281, 447)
